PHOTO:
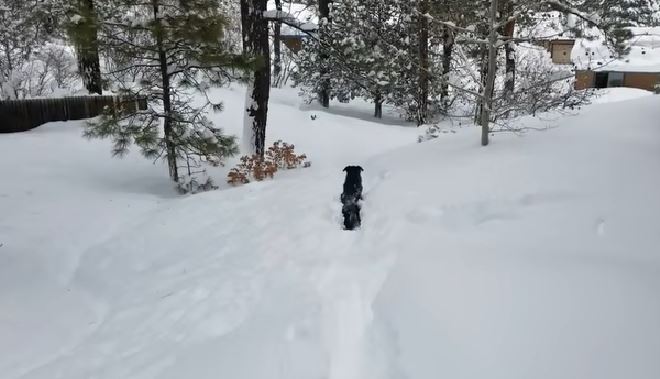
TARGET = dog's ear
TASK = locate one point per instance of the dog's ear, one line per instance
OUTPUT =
(353, 168)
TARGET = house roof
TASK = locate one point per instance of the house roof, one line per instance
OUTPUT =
(644, 53)
(303, 15)
(559, 41)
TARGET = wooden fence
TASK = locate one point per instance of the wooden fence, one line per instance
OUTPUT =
(23, 115)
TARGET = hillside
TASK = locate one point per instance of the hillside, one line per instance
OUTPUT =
(535, 257)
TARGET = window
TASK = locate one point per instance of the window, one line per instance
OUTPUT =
(615, 79)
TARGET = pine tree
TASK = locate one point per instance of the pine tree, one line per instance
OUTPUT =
(174, 49)
(25, 27)
(369, 50)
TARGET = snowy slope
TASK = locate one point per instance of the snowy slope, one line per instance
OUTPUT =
(534, 257)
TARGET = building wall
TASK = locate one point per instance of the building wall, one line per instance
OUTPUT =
(561, 53)
(294, 44)
(584, 79)
(642, 80)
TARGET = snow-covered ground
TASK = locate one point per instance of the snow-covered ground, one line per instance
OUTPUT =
(536, 257)
(609, 95)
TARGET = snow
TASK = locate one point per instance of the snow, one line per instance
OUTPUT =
(277, 14)
(534, 257)
(610, 95)
(309, 26)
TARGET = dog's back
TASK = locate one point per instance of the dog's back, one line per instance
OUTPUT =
(351, 197)
(352, 184)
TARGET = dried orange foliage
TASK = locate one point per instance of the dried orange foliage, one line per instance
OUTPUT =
(279, 156)
(283, 155)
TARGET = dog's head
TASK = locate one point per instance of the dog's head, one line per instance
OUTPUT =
(353, 170)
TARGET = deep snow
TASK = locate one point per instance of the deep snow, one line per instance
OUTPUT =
(534, 257)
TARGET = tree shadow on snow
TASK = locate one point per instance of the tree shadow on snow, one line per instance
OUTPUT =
(361, 110)
(158, 186)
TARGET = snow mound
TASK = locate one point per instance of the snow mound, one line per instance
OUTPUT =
(611, 95)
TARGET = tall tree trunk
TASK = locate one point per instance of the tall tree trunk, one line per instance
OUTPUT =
(255, 43)
(509, 48)
(277, 47)
(483, 58)
(378, 106)
(487, 102)
(87, 46)
(170, 144)
(423, 41)
(324, 17)
(447, 51)
(10, 68)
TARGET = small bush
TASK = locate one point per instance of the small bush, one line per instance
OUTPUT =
(432, 132)
(284, 156)
(195, 183)
(280, 156)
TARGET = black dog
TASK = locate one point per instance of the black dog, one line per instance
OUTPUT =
(351, 197)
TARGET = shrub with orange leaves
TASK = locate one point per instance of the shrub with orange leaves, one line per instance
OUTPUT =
(279, 156)
(283, 155)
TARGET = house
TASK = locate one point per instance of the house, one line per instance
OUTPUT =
(293, 37)
(597, 67)
(550, 31)
(560, 49)
(647, 80)
(292, 42)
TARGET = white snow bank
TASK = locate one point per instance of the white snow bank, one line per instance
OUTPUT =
(534, 257)
(537, 257)
(611, 95)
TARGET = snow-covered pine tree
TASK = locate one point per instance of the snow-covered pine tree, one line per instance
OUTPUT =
(362, 37)
(174, 49)
(451, 19)
(18, 27)
(34, 61)
(328, 63)
(370, 52)
(612, 17)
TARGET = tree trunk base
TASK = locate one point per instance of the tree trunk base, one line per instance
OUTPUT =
(378, 110)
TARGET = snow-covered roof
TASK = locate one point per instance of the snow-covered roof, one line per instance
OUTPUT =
(304, 15)
(644, 53)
